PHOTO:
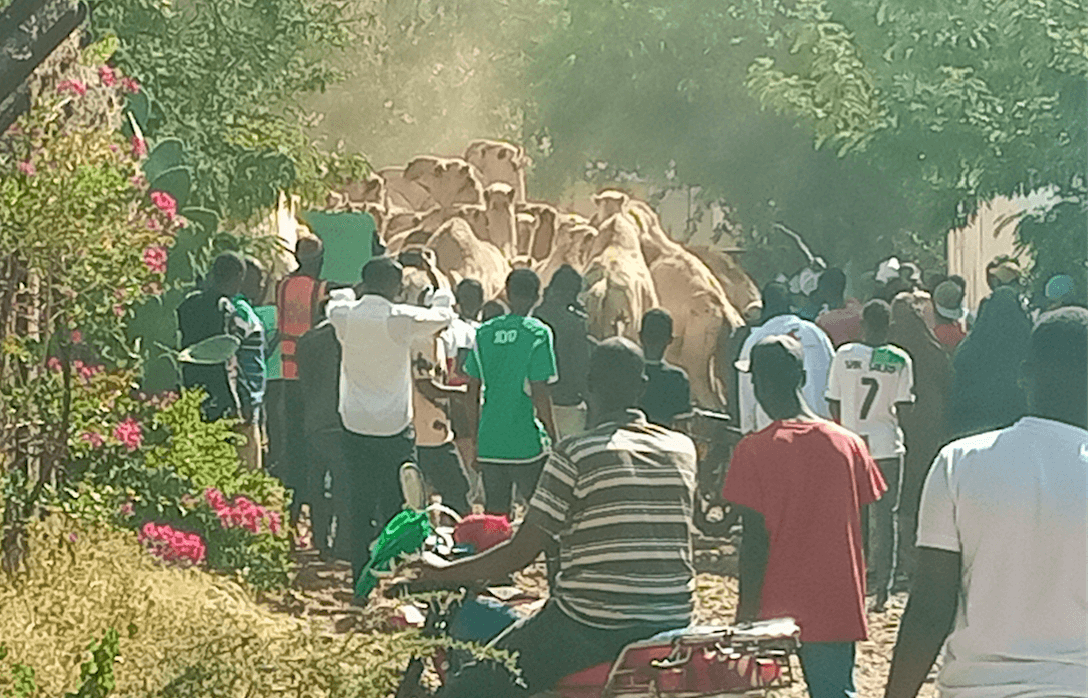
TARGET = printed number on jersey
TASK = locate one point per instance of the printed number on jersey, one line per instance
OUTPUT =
(505, 336)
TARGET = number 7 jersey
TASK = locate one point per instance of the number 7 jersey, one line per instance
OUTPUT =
(868, 382)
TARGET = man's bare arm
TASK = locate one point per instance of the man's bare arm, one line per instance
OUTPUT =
(542, 401)
(755, 546)
(494, 564)
(926, 622)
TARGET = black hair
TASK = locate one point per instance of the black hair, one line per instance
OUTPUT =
(779, 362)
(776, 300)
(227, 267)
(470, 292)
(1059, 344)
(382, 273)
(492, 309)
(617, 369)
(523, 283)
(566, 280)
(877, 315)
(656, 325)
(832, 282)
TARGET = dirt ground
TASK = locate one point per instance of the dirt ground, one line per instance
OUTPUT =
(322, 590)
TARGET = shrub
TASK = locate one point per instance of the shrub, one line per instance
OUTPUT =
(190, 633)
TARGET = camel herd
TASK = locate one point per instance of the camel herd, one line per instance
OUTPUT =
(473, 214)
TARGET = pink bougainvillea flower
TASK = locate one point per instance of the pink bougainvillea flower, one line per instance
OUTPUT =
(27, 168)
(76, 337)
(129, 433)
(126, 509)
(107, 76)
(119, 310)
(93, 438)
(165, 203)
(139, 147)
(155, 258)
(72, 537)
(154, 225)
(53, 364)
(87, 371)
(138, 181)
(76, 87)
(130, 85)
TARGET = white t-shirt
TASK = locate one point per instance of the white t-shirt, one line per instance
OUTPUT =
(376, 337)
(818, 353)
(1013, 503)
(461, 334)
(868, 383)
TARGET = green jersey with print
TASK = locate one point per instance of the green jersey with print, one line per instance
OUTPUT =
(511, 351)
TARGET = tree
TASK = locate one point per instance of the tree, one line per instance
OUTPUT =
(659, 89)
(226, 78)
(959, 102)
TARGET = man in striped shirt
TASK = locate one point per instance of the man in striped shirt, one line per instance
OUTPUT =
(617, 500)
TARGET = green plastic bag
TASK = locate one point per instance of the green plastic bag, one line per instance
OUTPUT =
(403, 535)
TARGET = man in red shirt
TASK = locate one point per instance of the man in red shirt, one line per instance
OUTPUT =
(800, 485)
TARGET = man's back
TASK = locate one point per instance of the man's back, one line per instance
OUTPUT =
(619, 499)
(842, 325)
(818, 353)
(375, 379)
(1012, 503)
(868, 382)
(572, 347)
(511, 351)
(809, 480)
(318, 357)
(200, 316)
(668, 393)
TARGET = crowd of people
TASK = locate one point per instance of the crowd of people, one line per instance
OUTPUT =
(894, 441)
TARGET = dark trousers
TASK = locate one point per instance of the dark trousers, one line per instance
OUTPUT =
(829, 669)
(369, 492)
(883, 543)
(499, 479)
(325, 471)
(288, 449)
(552, 646)
(441, 467)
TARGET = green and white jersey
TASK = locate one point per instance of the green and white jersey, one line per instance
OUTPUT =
(511, 351)
(868, 382)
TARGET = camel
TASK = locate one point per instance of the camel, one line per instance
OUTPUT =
(573, 240)
(739, 287)
(462, 255)
(619, 286)
(448, 181)
(496, 161)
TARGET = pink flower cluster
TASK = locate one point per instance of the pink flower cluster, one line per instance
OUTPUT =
(242, 512)
(76, 87)
(130, 85)
(173, 545)
(107, 75)
(27, 168)
(165, 203)
(93, 438)
(155, 258)
(139, 147)
(129, 433)
(86, 371)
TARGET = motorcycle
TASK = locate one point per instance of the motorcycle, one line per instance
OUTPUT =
(692, 662)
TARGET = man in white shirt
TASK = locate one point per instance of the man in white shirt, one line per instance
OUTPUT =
(779, 319)
(376, 381)
(1002, 534)
(868, 386)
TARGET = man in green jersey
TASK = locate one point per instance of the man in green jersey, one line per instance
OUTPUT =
(514, 364)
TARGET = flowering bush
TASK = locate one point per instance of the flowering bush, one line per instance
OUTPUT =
(172, 545)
